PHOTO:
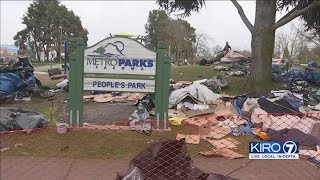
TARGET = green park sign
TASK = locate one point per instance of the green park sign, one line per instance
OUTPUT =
(118, 64)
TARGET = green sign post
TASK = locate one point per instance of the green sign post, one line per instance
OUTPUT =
(138, 61)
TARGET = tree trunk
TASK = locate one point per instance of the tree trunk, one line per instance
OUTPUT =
(262, 44)
(37, 51)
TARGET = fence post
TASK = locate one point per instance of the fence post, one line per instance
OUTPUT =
(72, 102)
(76, 85)
(80, 62)
(162, 80)
(166, 88)
(65, 57)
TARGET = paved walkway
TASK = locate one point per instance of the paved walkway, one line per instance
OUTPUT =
(20, 168)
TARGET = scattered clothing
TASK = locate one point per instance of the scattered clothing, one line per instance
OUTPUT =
(274, 107)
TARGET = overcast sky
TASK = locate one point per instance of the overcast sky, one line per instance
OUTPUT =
(219, 19)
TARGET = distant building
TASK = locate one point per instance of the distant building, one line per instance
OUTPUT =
(8, 52)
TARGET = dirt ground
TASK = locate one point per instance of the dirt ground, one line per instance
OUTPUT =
(103, 113)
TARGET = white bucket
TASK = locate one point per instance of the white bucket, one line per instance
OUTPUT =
(62, 128)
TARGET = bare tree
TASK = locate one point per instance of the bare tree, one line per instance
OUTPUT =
(216, 49)
(312, 36)
(202, 46)
(290, 44)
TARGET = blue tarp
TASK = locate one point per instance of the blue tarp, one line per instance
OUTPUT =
(298, 75)
(276, 69)
(10, 83)
(313, 64)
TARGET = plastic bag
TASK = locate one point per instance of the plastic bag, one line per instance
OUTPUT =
(135, 174)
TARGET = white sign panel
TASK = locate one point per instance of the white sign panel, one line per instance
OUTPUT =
(123, 85)
(119, 55)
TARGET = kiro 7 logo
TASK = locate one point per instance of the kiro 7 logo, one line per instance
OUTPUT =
(274, 150)
(290, 147)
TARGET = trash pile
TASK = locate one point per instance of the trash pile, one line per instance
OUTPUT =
(130, 98)
(229, 56)
(314, 64)
(13, 118)
(234, 69)
(18, 81)
(298, 74)
(140, 120)
(166, 159)
(305, 82)
(205, 115)
(233, 56)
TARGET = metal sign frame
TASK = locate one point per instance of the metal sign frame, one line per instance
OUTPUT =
(76, 84)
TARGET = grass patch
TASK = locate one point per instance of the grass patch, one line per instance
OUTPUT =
(192, 72)
(237, 84)
(97, 144)
(51, 113)
(51, 84)
(100, 144)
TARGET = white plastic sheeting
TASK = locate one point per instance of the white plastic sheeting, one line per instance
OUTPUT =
(196, 91)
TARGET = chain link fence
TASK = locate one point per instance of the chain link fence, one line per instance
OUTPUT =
(202, 147)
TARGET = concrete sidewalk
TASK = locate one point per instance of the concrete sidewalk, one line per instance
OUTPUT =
(20, 168)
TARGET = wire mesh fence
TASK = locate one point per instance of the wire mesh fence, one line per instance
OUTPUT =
(202, 147)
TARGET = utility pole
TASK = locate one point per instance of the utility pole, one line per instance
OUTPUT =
(60, 43)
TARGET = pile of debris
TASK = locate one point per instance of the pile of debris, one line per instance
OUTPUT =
(167, 159)
(234, 69)
(18, 81)
(298, 74)
(13, 118)
(130, 98)
(282, 116)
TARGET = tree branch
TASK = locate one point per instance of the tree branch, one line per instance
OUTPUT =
(243, 15)
(295, 13)
(289, 13)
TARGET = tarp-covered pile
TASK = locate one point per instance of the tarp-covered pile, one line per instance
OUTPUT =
(298, 74)
(13, 118)
(18, 80)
